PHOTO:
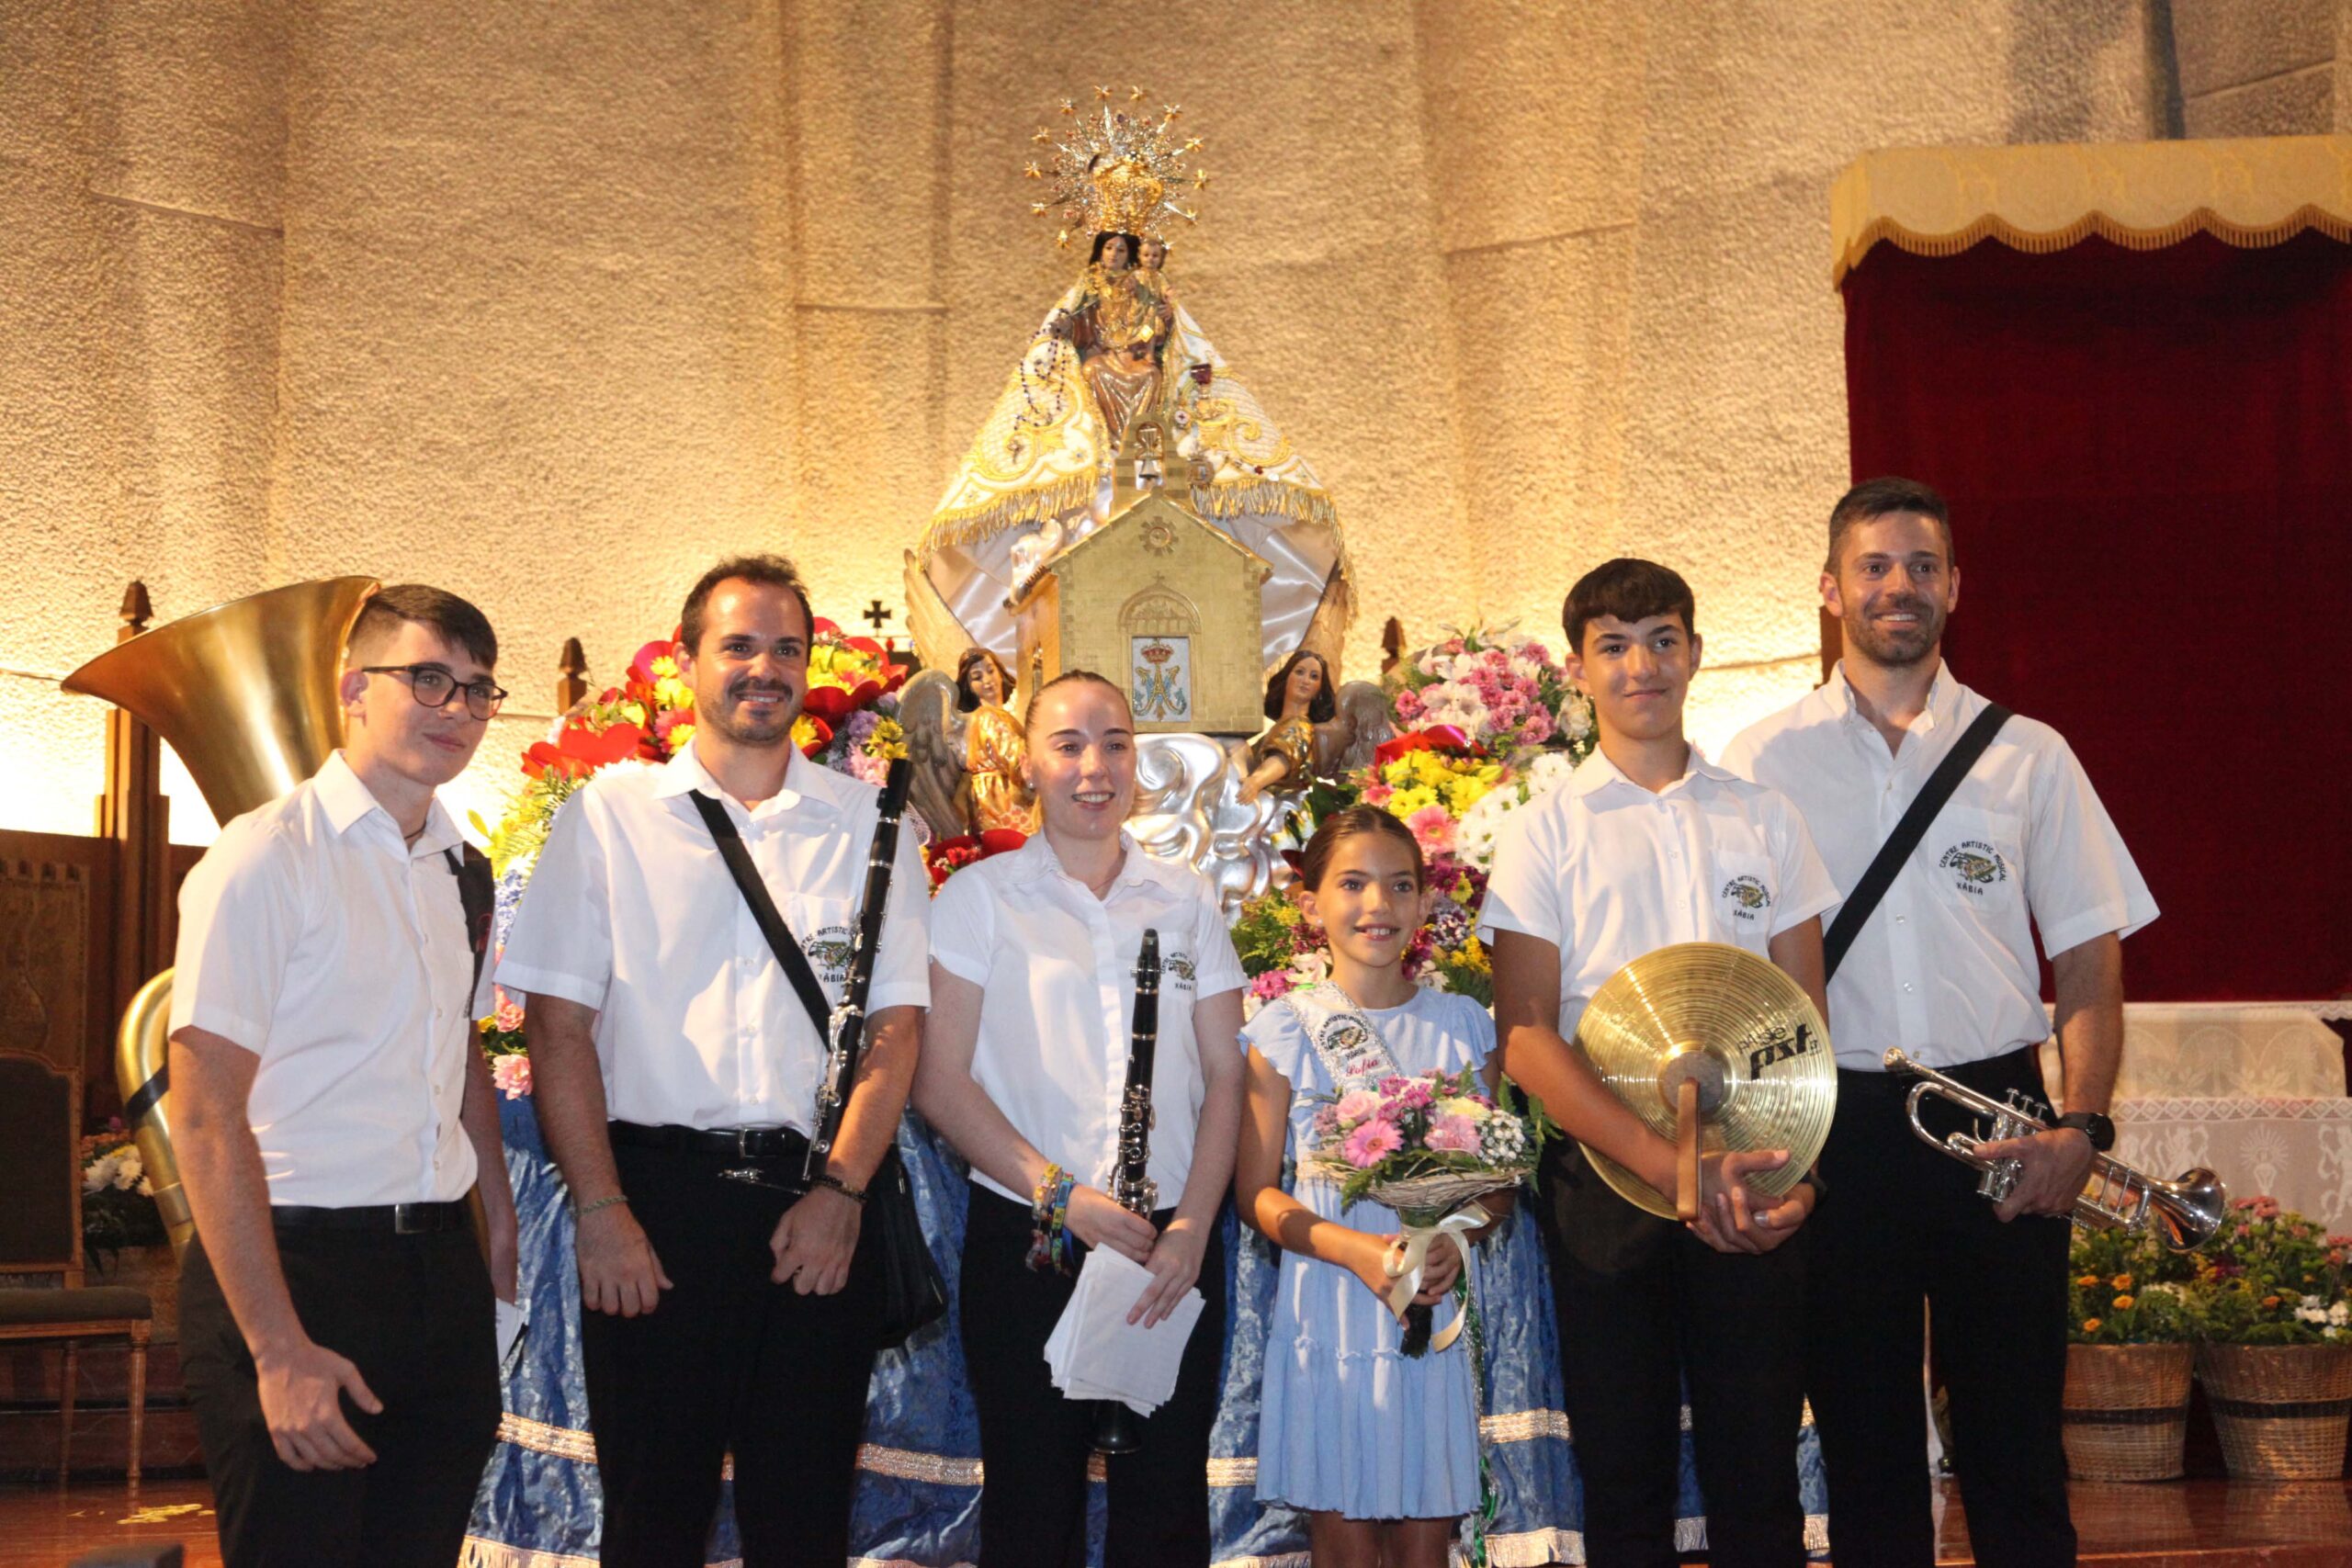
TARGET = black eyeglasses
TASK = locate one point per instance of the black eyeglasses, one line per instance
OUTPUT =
(433, 686)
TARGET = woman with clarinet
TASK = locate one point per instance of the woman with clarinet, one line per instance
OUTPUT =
(1025, 1069)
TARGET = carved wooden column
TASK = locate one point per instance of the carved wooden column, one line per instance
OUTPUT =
(135, 814)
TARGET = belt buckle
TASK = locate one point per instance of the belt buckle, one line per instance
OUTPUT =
(407, 1220)
(749, 1173)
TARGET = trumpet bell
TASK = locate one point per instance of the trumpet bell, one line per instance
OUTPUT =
(243, 691)
(2188, 1210)
(1737, 1025)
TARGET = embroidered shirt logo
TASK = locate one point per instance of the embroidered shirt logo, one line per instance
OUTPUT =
(1178, 967)
(1975, 865)
(828, 952)
(1747, 896)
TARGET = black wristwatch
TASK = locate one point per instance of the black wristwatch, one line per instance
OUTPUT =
(2091, 1125)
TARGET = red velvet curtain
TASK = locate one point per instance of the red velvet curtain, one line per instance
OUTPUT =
(2149, 460)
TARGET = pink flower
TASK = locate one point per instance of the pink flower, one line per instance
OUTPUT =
(1432, 828)
(1270, 986)
(509, 1015)
(1367, 1144)
(513, 1075)
(1457, 1132)
(1358, 1104)
(1410, 1094)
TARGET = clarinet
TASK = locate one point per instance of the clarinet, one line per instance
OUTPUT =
(845, 1030)
(1131, 1185)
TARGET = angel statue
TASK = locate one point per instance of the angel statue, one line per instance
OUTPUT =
(965, 748)
(1299, 699)
(1116, 345)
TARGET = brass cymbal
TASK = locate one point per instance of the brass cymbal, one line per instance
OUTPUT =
(1738, 1025)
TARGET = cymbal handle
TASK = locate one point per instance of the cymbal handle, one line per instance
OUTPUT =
(1686, 1150)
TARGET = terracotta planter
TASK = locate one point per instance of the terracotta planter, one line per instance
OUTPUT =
(2127, 1410)
(2280, 1410)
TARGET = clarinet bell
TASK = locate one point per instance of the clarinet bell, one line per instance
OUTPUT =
(1116, 1429)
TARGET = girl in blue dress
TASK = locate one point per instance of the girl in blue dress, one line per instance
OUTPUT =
(1380, 1450)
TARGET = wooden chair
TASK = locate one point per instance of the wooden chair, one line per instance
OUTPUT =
(40, 1233)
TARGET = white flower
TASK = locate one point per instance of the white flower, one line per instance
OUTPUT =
(98, 1175)
(1311, 969)
(1576, 717)
(2340, 1314)
(129, 1168)
(1459, 1105)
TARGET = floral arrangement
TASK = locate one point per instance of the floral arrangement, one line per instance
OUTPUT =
(2127, 1290)
(2271, 1277)
(943, 858)
(1504, 692)
(117, 1198)
(848, 722)
(1421, 1144)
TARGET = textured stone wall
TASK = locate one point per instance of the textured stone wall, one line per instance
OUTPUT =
(552, 304)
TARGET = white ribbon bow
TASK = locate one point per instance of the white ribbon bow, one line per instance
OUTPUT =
(1409, 1255)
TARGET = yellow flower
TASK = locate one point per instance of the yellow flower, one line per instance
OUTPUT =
(2123, 1281)
(804, 730)
(1472, 954)
(2124, 1303)
(2090, 1326)
(663, 666)
(1406, 801)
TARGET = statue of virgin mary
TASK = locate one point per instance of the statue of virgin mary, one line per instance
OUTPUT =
(1117, 345)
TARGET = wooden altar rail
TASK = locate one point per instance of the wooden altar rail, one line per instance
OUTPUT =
(85, 920)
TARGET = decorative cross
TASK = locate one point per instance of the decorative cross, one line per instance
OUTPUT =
(875, 614)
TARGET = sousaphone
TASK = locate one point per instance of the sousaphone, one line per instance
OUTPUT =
(1716, 1050)
(246, 693)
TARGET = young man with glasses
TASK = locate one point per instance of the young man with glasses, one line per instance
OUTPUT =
(330, 1114)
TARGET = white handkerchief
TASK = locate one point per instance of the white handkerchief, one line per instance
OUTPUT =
(1096, 1353)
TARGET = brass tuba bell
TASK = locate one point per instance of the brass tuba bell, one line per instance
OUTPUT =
(246, 693)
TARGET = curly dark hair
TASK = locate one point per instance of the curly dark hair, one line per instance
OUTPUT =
(964, 701)
(1326, 706)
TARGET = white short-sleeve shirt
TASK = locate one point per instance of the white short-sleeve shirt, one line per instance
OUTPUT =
(1607, 871)
(631, 911)
(1945, 967)
(312, 935)
(1056, 967)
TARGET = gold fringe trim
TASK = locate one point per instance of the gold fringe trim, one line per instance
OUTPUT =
(1303, 502)
(480, 1553)
(968, 525)
(1524, 1426)
(906, 1464)
(2204, 220)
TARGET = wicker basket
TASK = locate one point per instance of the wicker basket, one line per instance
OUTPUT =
(2281, 1410)
(2127, 1410)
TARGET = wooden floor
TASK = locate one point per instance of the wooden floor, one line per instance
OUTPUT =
(2188, 1524)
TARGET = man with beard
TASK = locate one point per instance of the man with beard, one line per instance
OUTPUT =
(1944, 968)
(730, 1304)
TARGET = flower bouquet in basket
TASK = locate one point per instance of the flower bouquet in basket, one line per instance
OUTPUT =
(1426, 1147)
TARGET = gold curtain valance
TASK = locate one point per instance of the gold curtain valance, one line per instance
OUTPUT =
(2143, 194)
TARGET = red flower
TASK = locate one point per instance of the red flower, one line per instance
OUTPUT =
(1436, 737)
(640, 667)
(820, 739)
(579, 751)
(831, 705)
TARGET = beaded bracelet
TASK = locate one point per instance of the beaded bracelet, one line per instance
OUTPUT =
(1049, 1216)
(582, 1213)
(854, 1194)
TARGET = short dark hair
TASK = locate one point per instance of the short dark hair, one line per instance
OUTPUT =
(1349, 823)
(1630, 589)
(456, 621)
(770, 570)
(1072, 678)
(1326, 706)
(1885, 497)
(971, 659)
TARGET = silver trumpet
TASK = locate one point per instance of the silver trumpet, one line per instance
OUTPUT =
(2183, 1213)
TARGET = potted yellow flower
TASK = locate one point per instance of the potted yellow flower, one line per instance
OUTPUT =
(2276, 1322)
(2129, 1355)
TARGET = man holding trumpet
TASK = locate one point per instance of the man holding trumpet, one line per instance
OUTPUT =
(1934, 954)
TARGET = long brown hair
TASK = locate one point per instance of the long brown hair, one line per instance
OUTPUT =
(1314, 862)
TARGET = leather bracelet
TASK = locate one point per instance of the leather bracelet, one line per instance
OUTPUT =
(834, 1183)
(579, 1212)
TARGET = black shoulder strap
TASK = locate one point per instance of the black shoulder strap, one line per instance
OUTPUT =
(478, 894)
(764, 910)
(1917, 819)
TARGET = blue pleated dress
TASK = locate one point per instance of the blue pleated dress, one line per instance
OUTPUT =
(1348, 1423)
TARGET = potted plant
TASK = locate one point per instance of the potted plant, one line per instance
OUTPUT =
(2275, 1356)
(2129, 1355)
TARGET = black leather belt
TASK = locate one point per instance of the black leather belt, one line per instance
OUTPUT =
(730, 1143)
(398, 1219)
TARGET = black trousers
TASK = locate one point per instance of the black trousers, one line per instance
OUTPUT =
(1902, 1224)
(1034, 1442)
(413, 1314)
(1671, 1314)
(728, 1362)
